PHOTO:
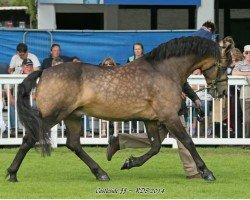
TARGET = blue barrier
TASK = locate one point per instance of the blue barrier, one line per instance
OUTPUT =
(89, 46)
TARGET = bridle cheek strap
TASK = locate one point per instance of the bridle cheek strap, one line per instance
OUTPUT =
(213, 84)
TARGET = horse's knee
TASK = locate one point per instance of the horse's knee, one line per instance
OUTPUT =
(28, 142)
(73, 146)
(155, 149)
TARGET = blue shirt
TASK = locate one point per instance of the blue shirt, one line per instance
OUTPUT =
(205, 34)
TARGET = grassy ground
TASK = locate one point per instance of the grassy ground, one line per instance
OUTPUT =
(63, 175)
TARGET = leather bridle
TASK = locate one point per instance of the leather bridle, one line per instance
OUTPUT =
(218, 79)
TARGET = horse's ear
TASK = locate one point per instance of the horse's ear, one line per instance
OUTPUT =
(228, 49)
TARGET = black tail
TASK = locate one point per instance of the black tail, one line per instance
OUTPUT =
(29, 116)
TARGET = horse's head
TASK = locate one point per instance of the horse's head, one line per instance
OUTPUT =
(215, 73)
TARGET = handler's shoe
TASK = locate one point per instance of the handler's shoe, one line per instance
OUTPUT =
(194, 176)
(113, 147)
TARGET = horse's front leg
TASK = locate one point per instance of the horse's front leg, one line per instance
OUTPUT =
(175, 126)
(28, 143)
(73, 143)
(154, 138)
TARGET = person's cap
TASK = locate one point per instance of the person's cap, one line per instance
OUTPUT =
(247, 48)
(27, 62)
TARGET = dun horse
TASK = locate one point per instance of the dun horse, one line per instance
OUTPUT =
(147, 89)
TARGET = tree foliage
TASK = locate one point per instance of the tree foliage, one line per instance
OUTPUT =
(32, 9)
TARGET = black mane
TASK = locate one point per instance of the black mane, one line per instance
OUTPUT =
(184, 46)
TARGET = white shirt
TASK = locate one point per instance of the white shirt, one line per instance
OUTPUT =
(244, 66)
(16, 63)
(2, 123)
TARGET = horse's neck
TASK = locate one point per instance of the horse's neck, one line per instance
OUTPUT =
(179, 68)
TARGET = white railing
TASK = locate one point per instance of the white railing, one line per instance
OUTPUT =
(213, 131)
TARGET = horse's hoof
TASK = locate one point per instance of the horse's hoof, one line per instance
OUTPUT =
(127, 164)
(103, 177)
(209, 177)
(13, 179)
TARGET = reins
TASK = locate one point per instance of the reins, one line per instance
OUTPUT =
(213, 85)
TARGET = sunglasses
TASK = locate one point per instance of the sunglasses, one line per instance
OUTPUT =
(247, 52)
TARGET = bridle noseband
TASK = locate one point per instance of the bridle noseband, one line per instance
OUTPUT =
(220, 71)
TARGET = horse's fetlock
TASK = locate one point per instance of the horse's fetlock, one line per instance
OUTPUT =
(95, 171)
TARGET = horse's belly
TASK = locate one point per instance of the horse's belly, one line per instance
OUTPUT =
(121, 113)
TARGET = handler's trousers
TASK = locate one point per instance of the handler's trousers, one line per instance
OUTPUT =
(141, 141)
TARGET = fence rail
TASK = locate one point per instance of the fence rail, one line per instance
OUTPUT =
(220, 126)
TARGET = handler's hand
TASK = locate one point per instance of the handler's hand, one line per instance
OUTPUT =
(197, 103)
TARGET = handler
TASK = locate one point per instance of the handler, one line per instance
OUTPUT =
(123, 141)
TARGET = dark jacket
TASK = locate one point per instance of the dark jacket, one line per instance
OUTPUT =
(190, 94)
(47, 62)
(205, 34)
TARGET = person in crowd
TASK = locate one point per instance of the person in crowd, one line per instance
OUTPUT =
(138, 50)
(88, 132)
(55, 51)
(108, 63)
(207, 31)
(234, 96)
(3, 130)
(123, 141)
(236, 57)
(26, 68)
(204, 106)
(242, 68)
(17, 60)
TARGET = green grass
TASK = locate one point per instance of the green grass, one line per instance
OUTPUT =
(63, 175)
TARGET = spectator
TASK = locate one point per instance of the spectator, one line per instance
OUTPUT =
(227, 41)
(55, 51)
(234, 97)
(123, 141)
(26, 68)
(207, 31)
(16, 60)
(242, 68)
(88, 133)
(236, 57)
(138, 50)
(108, 63)
(3, 130)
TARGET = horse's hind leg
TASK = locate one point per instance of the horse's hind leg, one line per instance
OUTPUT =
(176, 128)
(73, 126)
(155, 141)
(28, 143)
